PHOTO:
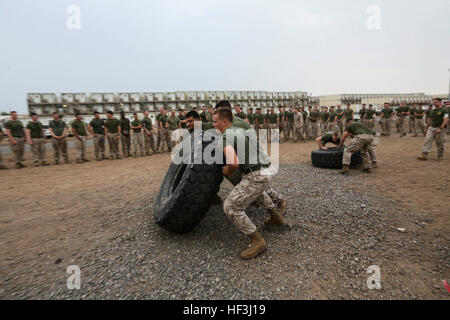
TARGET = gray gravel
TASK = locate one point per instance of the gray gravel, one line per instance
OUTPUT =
(336, 232)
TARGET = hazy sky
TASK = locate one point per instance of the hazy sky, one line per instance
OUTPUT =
(323, 47)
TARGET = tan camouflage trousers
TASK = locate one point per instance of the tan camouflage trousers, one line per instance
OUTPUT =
(299, 133)
(99, 146)
(125, 141)
(431, 136)
(80, 146)
(332, 127)
(403, 124)
(386, 126)
(373, 149)
(38, 150)
(60, 145)
(420, 126)
(113, 142)
(288, 130)
(412, 125)
(314, 129)
(370, 123)
(163, 139)
(136, 140)
(363, 142)
(18, 149)
(340, 124)
(149, 142)
(251, 189)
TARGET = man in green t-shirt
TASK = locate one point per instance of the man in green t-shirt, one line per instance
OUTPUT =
(125, 135)
(362, 139)
(386, 119)
(402, 114)
(96, 128)
(412, 120)
(435, 129)
(289, 124)
(58, 130)
(251, 188)
(324, 120)
(136, 135)
(299, 124)
(419, 123)
(328, 138)
(259, 122)
(370, 117)
(35, 138)
(112, 133)
(331, 124)
(2, 165)
(174, 124)
(348, 114)
(251, 118)
(340, 119)
(362, 114)
(239, 113)
(163, 138)
(149, 132)
(313, 118)
(182, 118)
(80, 133)
(15, 133)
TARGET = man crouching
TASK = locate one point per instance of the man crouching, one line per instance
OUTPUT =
(255, 180)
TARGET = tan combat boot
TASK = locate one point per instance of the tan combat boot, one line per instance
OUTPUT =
(275, 219)
(366, 170)
(345, 169)
(424, 156)
(257, 246)
(282, 206)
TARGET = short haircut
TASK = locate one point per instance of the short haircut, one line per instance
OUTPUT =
(33, 114)
(77, 114)
(223, 104)
(193, 114)
(438, 99)
(96, 112)
(224, 113)
(53, 113)
(370, 105)
(110, 112)
(12, 112)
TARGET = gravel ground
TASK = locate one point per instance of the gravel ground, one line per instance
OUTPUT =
(336, 232)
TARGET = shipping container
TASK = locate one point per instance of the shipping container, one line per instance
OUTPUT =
(34, 98)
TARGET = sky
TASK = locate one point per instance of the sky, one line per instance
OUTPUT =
(322, 46)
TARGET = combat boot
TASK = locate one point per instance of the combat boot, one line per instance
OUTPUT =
(22, 165)
(374, 165)
(79, 161)
(366, 170)
(67, 161)
(424, 156)
(257, 246)
(282, 206)
(275, 219)
(439, 158)
(44, 164)
(56, 162)
(345, 169)
(36, 164)
(18, 166)
(86, 160)
(3, 167)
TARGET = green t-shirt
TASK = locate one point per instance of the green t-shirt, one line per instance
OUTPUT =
(16, 128)
(272, 118)
(97, 126)
(251, 118)
(79, 126)
(437, 116)
(260, 118)
(239, 123)
(428, 112)
(136, 123)
(124, 124)
(358, 128)
(400, 110)
(290, 117)
(112, 125)
(173, 122)
(361, 113)
(324, 116)
(305, 114)
(348, 113)
(183, 124)
(369, 114)
(387, 112)
(412, 111)
(328, 138)
(147, 123)
(253, 156)
(35, 130)
(419, 113)
(205, 126)
(203, 116)
(332, 116)
(241, 115)
(57, 126)
(314, 116)
(162, 120)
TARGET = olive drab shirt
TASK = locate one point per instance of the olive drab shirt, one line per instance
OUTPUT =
(361, 113)
(358, 128)
(419, 113)
(57, 126)
(112, 125)
(183, 124)
(348, 114)
(272, 118)
(241, 115)
(314, 115)
(369, 114)
(125, 125)
(203, 116)
(387, 113)
(328, 138)
(437, 117)
(400, 110)
(332, 116)
(251, 118)
(136, 123)
(173, 122)
(340, 113)
(16, 128)
(147, 123)
(79, 126)
(324, 116)
(97, 126)
(259, 117)
(290, 117)
(412, 111)
(162, 120)
(35, 130)
(239, 123)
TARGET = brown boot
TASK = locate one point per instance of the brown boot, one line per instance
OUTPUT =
(345, 169)
(275, 219)
(424, 156)
(282, 206)
(257, 246)
(366, 170)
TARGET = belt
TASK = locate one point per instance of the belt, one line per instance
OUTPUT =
(255, 168)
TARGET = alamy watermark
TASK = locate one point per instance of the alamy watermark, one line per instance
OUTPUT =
(374, 20)
(74, 280)
(374, 280)
(73, 21)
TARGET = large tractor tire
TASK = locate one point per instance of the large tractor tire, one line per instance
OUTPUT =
(186, 194)
(332, 158)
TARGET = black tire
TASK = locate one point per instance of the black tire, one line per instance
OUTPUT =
(185, 195)
(332, 158)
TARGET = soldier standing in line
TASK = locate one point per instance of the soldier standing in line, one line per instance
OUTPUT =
(112, 132)
(251, 118)
(273, 124)
(412, 120)
(163, 129)
(348, 114)
(299, 124)
(96, 128)
(386, 118)
(259, 121)
(402, 113)
(419, 114)
(203, 115)
(80, 133)
(289, 124)
(173, 124)
(362, 114)
(331, 121)
(435, 130)
(324, 120)
(2, 165)
(340, 119)
(305, 122)
(35, 138)
(15, 133)
(58, 130)
(136, 129)
(314, 117)
(369, 117)
(428, 112)
(281, 121)
(239, 113)
(149, 132)
(182, 118)
(125, 137)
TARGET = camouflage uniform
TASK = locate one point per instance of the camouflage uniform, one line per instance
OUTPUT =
(149, 141)
(99, 137)
(163, 133)
(387, 120)
(313, 118)
(59, 145)
(437, 117)
(298, 127)
(340, 121)
(112, 126)
(37, 138)
(16, 129)
(136, 138)
(362, 140)
(289, 125)
(173, 125)
(125, 138)
(80, 143)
